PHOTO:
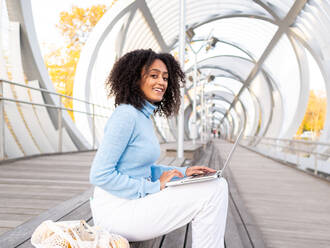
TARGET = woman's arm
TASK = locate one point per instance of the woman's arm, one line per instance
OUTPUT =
(117, 134)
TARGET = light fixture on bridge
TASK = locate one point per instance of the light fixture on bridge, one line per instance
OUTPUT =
(210, 78)
(190, 34)
(190, 77)
(211, 43)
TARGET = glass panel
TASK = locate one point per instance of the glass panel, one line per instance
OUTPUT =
(252, 35)
(235, 66)
(164, 128)
(285, 73)
(261, 90)
(280, 7)
(167, 19)
(140, 35)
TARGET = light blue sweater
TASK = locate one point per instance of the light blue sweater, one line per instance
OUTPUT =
(124, 163)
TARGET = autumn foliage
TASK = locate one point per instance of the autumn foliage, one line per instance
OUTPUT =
(75, 25)
(315, 114)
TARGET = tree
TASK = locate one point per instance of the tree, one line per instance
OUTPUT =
(315, 114)
(75, 25)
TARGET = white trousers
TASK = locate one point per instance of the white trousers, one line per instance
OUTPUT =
(203, 204)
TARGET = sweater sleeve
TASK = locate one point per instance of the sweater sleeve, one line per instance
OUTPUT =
(157, 170)
(117, 134)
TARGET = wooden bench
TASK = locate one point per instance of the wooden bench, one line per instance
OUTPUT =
(191, 151)
(73, 209)
(240, 230)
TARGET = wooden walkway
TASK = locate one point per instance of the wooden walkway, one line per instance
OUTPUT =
(31, 186)
(290, 207)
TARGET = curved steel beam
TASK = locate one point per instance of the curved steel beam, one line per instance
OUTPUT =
(324, 68)
(266, 124)
(35, 69)
(283, 28)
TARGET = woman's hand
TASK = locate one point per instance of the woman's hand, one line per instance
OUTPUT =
(167, 176)
(198, 170)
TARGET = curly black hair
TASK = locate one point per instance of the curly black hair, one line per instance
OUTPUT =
(125, 78)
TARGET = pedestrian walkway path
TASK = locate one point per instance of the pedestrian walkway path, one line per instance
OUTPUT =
(290, 207)
(31, 186)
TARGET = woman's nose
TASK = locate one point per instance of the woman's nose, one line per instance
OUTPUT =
(161, 81)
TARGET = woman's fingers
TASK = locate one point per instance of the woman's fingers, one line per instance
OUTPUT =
(204, 168)
(176, 173)
(198, 170)
(167, 176)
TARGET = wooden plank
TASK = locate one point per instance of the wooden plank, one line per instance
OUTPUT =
(178, 162)
(12, 192)
(232, 236)
(4, 229)
(46, 169)
(37, 195)
(23, 232)
(167, 160)
(242, 230)
(82, 212)
(28, 203)
(43, 175)
(248, 229)
(152, 243)
(22, 210)
(188, 237)
(47, 184)
(161, 157)
(28, 181)
(287, 205)
(175, 238)
(40, 196)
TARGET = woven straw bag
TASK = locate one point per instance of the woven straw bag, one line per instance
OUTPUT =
(74, 234)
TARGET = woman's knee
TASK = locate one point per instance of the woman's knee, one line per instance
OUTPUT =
(220, 189)
(216, 189)
(220, 185)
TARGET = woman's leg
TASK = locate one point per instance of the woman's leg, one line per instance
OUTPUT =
(204, 204)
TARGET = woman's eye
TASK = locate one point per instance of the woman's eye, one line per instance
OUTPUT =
(154, 76)
(165, 79)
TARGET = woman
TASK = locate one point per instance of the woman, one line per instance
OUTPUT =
(130, 197)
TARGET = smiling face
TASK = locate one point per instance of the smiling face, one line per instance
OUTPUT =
(154, 81)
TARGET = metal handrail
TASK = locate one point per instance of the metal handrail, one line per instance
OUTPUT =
(52, 92)
(59, 108)
(295, 150)
(293, 140)
(51, 106)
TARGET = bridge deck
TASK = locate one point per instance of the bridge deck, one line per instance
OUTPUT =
(290, 207)
(31, 186)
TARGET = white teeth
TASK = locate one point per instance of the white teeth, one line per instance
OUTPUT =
(159, 90)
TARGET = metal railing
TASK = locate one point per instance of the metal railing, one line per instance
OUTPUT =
(298, 148)
(60, 108)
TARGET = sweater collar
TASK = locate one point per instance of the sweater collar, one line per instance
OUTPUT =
(148, 109)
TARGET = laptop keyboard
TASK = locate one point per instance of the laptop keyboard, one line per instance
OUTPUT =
(204, 175)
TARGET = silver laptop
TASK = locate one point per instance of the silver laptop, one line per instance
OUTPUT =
(208, 176)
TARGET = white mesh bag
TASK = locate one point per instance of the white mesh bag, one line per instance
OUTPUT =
(74, 234)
